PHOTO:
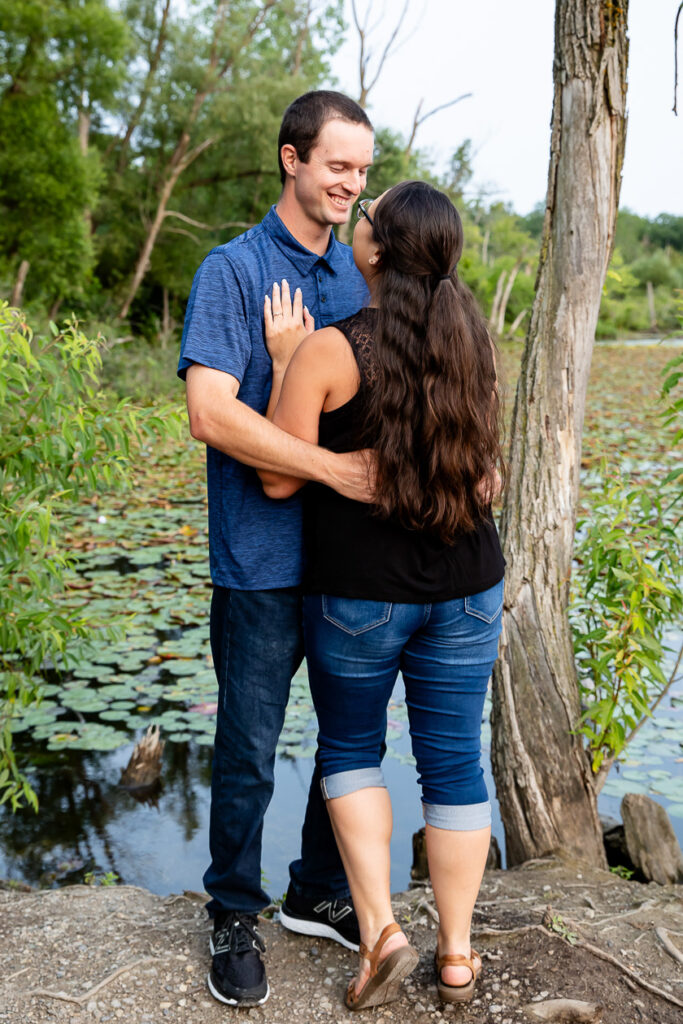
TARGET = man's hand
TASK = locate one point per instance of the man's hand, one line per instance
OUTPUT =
(287, 323)
(352, 474)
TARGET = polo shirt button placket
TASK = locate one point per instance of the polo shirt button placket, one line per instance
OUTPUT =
(323, 298)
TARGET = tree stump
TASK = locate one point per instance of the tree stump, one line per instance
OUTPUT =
(419, 872)
(651, 840)
(144, 768)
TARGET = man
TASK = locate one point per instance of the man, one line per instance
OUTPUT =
(324, 150)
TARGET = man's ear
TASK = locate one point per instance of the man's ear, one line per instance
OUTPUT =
(289, 158)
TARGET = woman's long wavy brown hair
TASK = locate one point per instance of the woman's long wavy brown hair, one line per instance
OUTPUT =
(434, 411)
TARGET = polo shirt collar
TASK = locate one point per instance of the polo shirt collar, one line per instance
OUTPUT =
(302, 258)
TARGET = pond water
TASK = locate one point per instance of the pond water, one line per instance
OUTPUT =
(87, 823)
(664, 342)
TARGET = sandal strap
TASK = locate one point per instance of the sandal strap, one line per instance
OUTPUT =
(458, 960)
(373, 955)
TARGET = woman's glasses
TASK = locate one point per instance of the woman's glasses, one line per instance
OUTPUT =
(363, 207)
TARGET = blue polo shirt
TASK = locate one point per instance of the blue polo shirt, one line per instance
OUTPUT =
(254, 541)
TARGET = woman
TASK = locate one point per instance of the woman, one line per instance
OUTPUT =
(413, 583)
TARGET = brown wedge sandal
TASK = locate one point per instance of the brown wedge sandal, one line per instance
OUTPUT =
(456, 993)
(385, 978)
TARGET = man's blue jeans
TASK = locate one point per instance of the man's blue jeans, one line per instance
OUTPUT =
(445, 651)
(256, 641)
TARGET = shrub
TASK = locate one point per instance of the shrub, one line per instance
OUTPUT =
(61, 438)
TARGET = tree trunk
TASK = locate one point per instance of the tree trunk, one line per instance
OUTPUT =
(83, 143)
(505, 298)
(542, 772)
(495, 306)
(485, 247)
(18, 289)
(142, 264)
(516, 322)
(651, 305)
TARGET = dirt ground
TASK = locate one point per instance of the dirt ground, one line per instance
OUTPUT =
(83, 954)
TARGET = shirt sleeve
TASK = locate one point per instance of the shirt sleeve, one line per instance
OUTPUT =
(216, 331)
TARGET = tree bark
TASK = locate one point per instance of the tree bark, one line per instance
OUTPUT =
(543, 776)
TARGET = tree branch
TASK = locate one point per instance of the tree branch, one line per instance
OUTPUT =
(365, 53)
(603, 771)
(420, 120)
(208, 227)
(678, 14)
(216, 179)
(154, 59)
(386, 52)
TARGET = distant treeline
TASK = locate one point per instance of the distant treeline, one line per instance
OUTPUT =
(137, 135)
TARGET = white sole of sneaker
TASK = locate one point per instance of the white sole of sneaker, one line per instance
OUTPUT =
(235, 1002)
(315, 929)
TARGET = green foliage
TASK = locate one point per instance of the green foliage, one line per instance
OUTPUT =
(646, 252)
(622, 872)
(627, 592)
(61, 64)
(105, 880)
(61, 439)
(555, 923)
(45, 186)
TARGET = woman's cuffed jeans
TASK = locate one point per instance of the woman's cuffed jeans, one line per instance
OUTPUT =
(445, 652)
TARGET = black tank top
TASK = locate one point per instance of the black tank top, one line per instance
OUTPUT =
(352, 553)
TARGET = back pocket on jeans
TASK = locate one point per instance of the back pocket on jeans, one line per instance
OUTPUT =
(353, 615)
(487, 605)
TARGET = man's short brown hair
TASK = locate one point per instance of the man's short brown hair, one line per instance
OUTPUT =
(305, 116)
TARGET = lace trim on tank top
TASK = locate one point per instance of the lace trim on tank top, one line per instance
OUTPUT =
(359, 330)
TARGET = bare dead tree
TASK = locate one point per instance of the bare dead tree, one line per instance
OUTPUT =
(368, 77)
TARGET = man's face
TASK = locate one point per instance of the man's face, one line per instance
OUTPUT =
(328, 185)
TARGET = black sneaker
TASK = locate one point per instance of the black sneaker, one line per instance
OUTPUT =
(238, 976)
(328, 919)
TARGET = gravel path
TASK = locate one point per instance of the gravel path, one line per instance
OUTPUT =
(84, 955)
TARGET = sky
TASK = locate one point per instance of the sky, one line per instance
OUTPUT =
(502, 52)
